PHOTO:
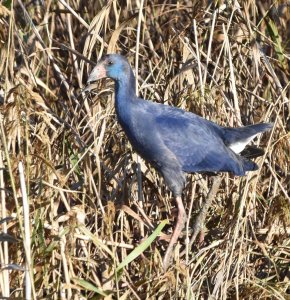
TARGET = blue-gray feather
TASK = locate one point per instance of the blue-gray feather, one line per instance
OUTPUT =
(173, 140)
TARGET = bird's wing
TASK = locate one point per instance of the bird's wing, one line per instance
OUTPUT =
(195, 142)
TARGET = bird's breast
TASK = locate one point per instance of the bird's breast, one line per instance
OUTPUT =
(140, 134)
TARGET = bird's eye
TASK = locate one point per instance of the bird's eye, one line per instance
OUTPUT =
(109, 63)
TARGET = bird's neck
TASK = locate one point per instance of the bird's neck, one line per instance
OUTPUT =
(125, 93)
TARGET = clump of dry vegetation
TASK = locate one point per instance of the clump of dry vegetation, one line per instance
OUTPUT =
(87, 202)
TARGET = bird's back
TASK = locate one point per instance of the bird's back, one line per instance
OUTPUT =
(160, 132)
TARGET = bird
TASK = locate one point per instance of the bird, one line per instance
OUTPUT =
(174, 141)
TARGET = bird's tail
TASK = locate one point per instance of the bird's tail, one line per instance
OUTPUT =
(234, 135)
(252, 151)
(238, 138)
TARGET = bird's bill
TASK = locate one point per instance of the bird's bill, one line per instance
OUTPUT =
(98, 72)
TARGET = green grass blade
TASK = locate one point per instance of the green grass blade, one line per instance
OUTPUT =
(89, 286)
(276, 38)
(142, 247)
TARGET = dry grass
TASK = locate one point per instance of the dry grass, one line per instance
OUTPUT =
(90, 201)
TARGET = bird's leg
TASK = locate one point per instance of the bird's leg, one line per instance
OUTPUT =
(176, 232)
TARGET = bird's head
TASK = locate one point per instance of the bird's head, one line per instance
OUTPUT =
(113, 66)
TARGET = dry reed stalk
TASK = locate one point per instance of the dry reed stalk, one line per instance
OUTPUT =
(230, 65)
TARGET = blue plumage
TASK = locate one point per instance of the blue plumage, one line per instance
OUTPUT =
(173, 140)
